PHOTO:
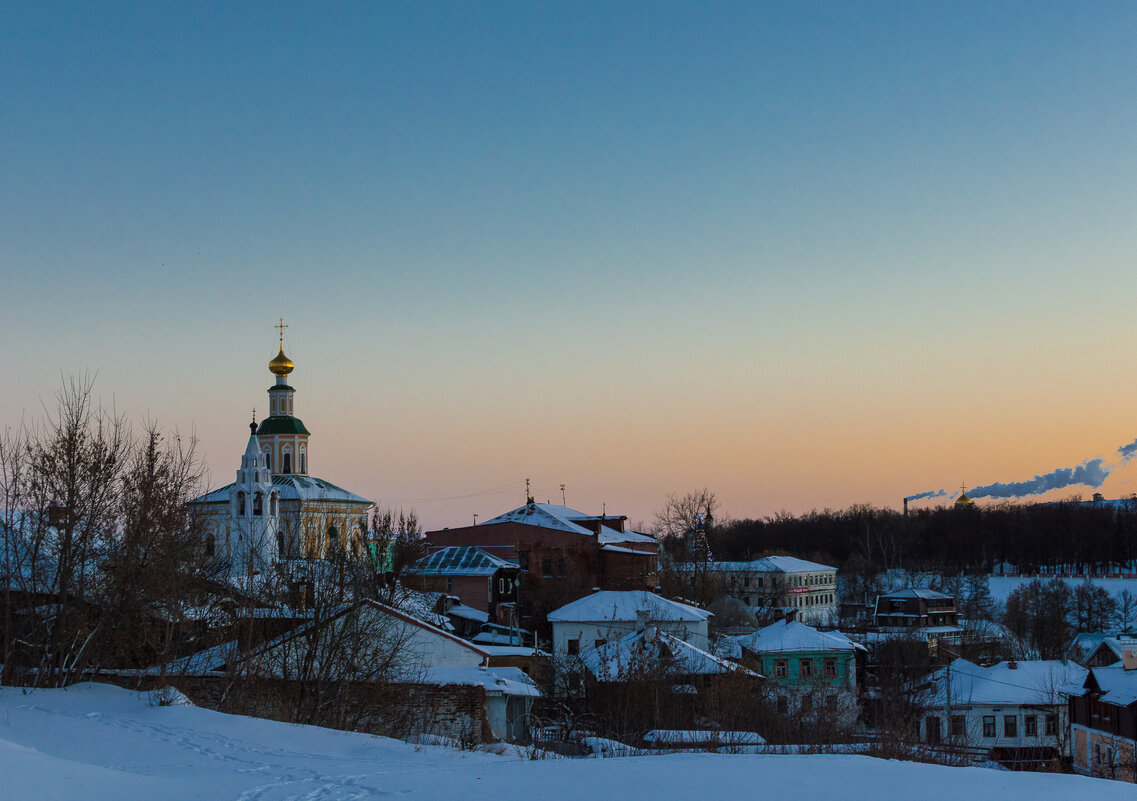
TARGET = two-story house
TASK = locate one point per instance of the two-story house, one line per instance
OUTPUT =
(1103, 719)
(916, 608)
(1014, 710)
(562, 554)
(784, 585)
(808, 672)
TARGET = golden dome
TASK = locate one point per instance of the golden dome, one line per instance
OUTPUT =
(963, 500)
(281, 365)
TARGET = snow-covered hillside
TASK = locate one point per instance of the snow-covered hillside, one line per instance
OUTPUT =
(96, 743)
(1002, 586)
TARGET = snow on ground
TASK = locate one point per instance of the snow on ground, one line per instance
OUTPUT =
(1002, 586)
(100, 743)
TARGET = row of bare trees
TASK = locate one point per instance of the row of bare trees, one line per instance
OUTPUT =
(102, 559)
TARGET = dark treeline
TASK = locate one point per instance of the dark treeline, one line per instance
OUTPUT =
(1081, 535)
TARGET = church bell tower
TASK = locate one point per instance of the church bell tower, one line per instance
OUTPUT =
(283, 437)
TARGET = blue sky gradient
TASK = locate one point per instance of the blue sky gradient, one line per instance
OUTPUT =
(803, 254)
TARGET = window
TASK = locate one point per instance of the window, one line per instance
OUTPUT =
(746, 581)
(1030, 726)
(831, 703)
(781, 668)
(783, 705)
(958, 728)
(287, 463)
(830, 668)
(523, 560)
(988, 725)
(303, 461)
(1010, 726)
(760, 581)
(561, 567)
(268, 459)
(547, 567)
(241, 504)
(806, 704)
(573, 647)
(258, 504)
(280, 543)
(210, 545)
(1051, 725)
(806, 668)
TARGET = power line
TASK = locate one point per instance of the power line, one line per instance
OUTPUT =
(513, 485)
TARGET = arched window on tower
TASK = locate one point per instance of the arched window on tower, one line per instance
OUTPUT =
(268, 460)
(333, 541)
(303, 462)
(241, 510)
(258, 504)
(210, 545)
(287, 463)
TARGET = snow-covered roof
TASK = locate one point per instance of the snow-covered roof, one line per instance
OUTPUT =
(294, 488)
(1118, 685)
(613, 605)
(767, 564)
(469, 613)
(618, 549)
(505, 680)
(511, 650)
(795, 636)
(460, 560)
(563, 518)
(915, 592)
(649, 650)
(1037, 681)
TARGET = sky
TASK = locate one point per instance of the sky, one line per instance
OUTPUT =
(805, 255)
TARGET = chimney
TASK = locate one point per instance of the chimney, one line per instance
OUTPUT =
(1129, 659)
(906, 507)
(642, 616)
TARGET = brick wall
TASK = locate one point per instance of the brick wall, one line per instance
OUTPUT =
(393, 710)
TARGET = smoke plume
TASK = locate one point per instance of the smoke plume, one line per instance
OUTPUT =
(929, 494)
(1128, 451)
(1092, 472)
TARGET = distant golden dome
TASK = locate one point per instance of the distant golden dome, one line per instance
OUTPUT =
(281, 365)
(963, 500)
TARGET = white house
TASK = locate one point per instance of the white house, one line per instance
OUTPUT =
(408, 651)
(1017, 710)
(610, 614)
(806, 589)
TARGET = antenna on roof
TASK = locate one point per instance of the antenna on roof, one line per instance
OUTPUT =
(475, 519)
(563, 501)
(528, 497)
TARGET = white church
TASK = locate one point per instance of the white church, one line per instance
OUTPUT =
(276, 510)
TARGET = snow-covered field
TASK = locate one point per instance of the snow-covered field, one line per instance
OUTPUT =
(1002, 586)
(98, 743)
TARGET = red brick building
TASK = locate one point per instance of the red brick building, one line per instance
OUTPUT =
(563, 554)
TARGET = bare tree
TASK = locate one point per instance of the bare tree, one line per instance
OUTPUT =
(1126, 610)
(682, 514)
(98, 541)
